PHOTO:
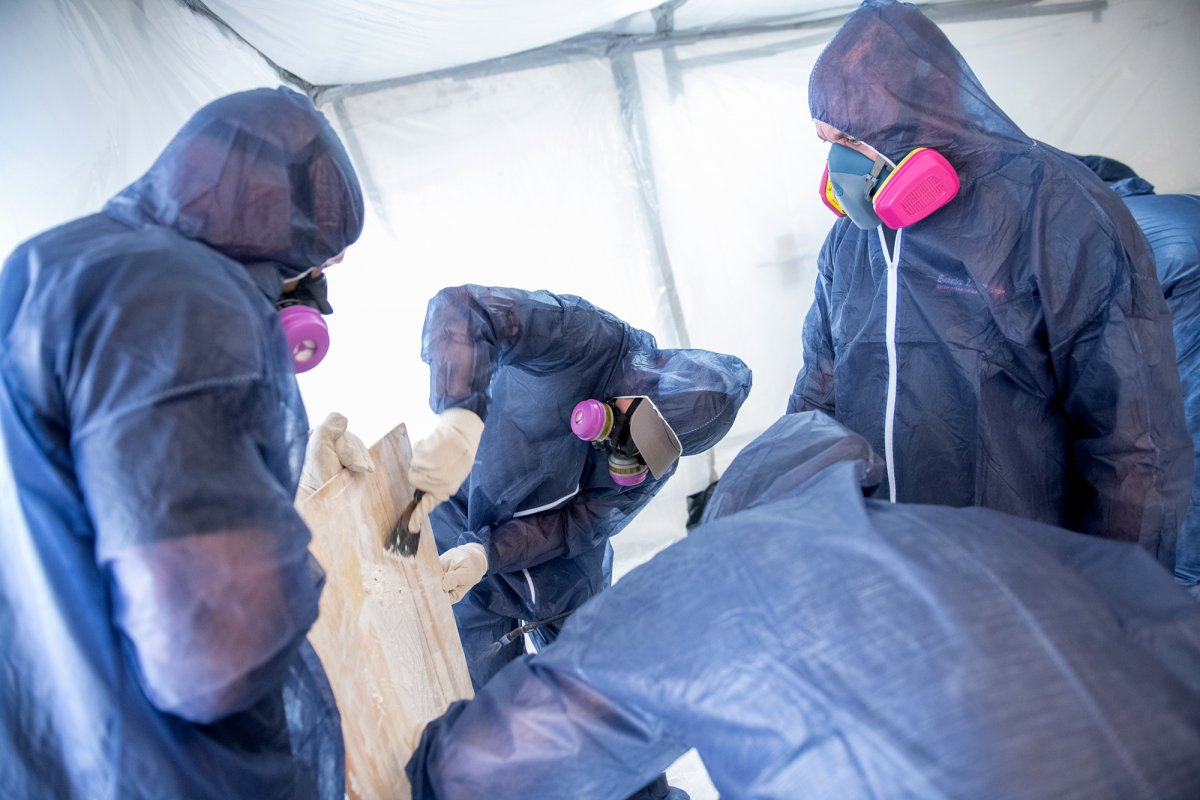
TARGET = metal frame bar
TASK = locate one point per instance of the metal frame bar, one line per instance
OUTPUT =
(200, 8)
(600, 45)
(637, 143)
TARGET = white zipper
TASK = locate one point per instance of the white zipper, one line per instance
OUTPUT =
(889, 419)
(532, 591)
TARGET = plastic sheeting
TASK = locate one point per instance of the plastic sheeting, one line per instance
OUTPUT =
(90, 93)
(810, 643)
(718, 15)
(362, 41)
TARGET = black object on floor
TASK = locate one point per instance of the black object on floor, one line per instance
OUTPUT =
(696, 503)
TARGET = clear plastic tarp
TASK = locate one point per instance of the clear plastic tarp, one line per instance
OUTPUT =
(356, 41)
(90, 93)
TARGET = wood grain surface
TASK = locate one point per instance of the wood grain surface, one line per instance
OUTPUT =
(386, 634)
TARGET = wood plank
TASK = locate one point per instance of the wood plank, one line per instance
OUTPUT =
(386, 634)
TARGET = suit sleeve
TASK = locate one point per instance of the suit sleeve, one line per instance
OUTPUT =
(814, 389)
(213, 586)
(1113, 356)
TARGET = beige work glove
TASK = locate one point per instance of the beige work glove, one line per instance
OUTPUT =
(462, 568)
(442, 460)
(332, 448)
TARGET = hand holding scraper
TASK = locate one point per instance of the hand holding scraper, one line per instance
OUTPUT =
(440, 463)
(401, 541)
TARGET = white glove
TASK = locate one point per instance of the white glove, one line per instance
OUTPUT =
(462, 568)
(332, 448)
(441, 460)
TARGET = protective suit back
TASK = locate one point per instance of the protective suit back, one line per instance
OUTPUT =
(809, 642)
(156, 585)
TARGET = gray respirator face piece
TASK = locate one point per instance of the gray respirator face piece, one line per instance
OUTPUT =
(855, 178)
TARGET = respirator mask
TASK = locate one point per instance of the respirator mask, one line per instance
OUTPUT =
(874, 191)
(300, 312)
(637, 440)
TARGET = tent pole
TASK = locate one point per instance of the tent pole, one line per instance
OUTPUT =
(198, 7)
(359, 159)
(637, 143)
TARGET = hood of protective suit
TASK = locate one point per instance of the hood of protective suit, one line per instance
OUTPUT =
(698, 392)
(786, 456)
(258, 176)
(891, 78)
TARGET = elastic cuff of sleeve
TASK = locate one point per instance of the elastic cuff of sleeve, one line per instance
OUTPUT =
(464, 420)
(476, 403)
(482, 537)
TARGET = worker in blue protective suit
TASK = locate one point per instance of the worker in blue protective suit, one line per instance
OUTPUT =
(811, 643)
(986, 314)
(1171, 223)
(156, 585)
(525, 538)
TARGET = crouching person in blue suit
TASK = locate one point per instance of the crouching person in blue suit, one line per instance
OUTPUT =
(585, 420)
(812, 642)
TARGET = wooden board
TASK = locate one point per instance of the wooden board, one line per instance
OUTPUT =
(386, 634)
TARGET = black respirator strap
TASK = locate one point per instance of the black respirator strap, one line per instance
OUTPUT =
(309, 291)
(620, 441)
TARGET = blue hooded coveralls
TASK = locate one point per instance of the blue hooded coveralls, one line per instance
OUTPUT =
(1171, 223)
(156, 585)
(810, 643)
(1035, 371)
(540, 500)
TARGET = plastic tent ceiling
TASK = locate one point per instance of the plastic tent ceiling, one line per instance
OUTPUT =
(364, 41)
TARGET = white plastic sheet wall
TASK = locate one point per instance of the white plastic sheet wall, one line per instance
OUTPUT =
(90, 93)
(596, 174)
